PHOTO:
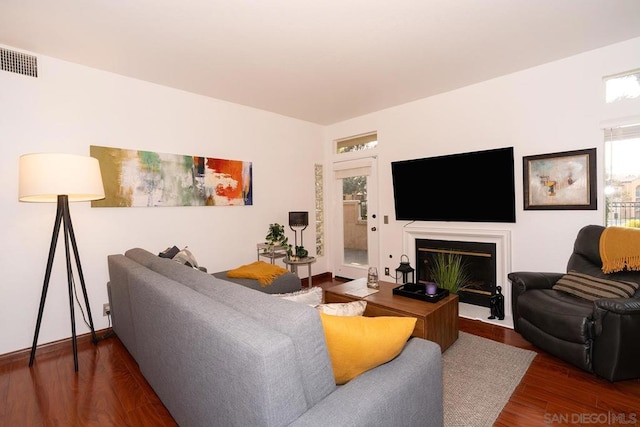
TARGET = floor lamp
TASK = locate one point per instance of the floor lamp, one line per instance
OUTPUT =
(61, 178)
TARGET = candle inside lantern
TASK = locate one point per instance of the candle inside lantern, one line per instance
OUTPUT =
(432, 288)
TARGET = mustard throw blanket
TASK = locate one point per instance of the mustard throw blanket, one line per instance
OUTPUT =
(620, 249)
(259, 270)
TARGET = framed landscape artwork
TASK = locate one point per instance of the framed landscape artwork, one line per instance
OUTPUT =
(136, 178)
(560, 181)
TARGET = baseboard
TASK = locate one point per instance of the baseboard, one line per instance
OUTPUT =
(476, 312)
(24, 354)
(317, 278)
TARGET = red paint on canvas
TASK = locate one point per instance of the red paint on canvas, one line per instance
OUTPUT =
(231, 169)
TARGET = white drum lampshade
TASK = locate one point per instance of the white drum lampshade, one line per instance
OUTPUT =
(45, 176)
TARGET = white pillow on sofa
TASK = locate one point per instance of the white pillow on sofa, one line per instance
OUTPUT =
(353, 308)
(311, 296)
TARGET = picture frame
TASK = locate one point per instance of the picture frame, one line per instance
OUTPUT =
(138, 178)
(560, 181)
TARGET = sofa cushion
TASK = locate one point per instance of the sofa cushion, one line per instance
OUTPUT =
(310, 296)
(353, 308)
(297, 321)
(179, 332)
(185, 257)
(577, 353)
(594, 288)
(558, 314)
(357, 344)
(165, 266)
(170, 252)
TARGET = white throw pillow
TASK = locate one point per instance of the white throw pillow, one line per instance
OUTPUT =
(311, 296)
(354, 308)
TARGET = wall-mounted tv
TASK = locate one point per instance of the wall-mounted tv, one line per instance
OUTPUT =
(477, 186)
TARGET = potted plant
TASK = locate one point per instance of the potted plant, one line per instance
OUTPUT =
(301, 252)
(449, 271)
(276, 238)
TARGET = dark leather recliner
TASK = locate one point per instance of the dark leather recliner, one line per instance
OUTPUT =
(601, 336)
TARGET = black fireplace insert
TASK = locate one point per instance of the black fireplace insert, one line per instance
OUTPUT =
(479, 259)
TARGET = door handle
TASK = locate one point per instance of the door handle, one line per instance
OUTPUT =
(373, 229)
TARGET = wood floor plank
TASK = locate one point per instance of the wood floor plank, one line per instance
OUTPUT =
(516, 414)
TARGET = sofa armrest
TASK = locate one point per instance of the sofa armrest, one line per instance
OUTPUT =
(406, 391)
(521, 281)
(616, 349)
(524, 280)
(619, 305)
(608, 309)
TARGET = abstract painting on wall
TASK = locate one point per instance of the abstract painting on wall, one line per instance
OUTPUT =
(560, 181)
(134, 178)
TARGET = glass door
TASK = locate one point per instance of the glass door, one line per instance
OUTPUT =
(355, 216)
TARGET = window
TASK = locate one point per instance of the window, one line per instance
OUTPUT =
(622, 86)
(357, 143)
(355, 188)
(622, 176)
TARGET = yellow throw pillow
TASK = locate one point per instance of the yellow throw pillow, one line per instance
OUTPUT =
(357, 344)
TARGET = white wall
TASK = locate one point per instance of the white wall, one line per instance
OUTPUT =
(70, 107)
(551, 108)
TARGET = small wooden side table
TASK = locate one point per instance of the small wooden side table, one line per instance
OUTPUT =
(293, 264)
(271, 252)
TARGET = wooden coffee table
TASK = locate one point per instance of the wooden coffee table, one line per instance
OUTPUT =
(437, 322)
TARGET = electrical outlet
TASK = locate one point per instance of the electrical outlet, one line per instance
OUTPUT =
(386, 271)
(106, 309)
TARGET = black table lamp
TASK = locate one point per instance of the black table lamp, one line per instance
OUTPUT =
(298, 219)
(61, 178)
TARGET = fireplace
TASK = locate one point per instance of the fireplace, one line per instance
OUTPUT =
(479, 259)
(501, 238)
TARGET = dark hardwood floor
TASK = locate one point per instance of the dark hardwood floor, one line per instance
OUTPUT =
(553, 392)
(109, 390)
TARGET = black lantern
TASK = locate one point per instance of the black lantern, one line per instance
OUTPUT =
(404, 271)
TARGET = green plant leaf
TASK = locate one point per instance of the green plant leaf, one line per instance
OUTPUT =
(449, 271)
(275, 236)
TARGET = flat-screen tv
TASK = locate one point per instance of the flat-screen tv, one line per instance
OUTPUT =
(477, 186)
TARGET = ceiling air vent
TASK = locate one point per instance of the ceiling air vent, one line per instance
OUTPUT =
(16, 62)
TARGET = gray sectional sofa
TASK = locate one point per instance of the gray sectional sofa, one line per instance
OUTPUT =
(220, 354)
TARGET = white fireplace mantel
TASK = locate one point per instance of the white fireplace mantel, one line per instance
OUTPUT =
(501, 238)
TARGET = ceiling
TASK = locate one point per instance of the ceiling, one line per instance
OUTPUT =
(319, 61)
